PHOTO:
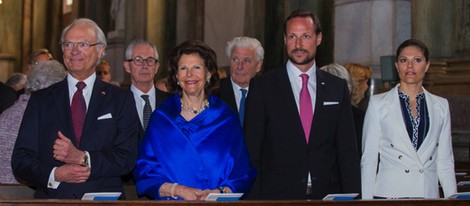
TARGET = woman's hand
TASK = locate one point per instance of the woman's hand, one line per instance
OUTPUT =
(189, 193)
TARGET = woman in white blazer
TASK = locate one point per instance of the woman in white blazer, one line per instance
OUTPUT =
(407, 145)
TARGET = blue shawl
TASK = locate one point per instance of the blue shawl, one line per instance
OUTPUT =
(206, 152)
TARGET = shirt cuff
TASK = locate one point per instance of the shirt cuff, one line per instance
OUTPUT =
(88, 162)
(52, 184)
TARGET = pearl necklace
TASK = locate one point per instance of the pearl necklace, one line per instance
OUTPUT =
(206, 105)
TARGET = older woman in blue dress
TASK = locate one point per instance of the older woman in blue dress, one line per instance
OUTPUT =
(194, 143)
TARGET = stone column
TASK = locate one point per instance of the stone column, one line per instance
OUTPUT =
(224, 19)
(434, 24)
(365, 30)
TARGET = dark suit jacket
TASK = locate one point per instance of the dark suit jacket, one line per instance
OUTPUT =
(111, 142)
(226, 93)
(160, 97)
(276, 141)
(359, 116)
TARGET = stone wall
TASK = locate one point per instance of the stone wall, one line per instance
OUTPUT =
(460, 120)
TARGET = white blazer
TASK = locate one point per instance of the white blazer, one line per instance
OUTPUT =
(402, 171)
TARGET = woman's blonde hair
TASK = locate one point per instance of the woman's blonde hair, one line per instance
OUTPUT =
(359, 74)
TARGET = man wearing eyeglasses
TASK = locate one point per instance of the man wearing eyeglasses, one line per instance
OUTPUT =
(142, 65)
(79, 135)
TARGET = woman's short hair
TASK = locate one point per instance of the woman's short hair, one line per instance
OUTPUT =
(15, 79)
(193, 47)
(359, 75)
(44, 74)
(34, 55)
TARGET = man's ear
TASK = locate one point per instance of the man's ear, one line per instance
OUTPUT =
(157, 66)
(259, 65)
(126, 67)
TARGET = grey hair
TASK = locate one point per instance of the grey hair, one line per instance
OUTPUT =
(135, 42)
(16, 78)
(99, 33)
(44, 74)
(245, 42)
(339, 71)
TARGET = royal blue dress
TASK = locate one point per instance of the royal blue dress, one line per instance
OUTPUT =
(206, 152)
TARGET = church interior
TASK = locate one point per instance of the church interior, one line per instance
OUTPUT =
(354, 31)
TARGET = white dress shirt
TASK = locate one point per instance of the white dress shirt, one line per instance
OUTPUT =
(238, 93)
(140, 102)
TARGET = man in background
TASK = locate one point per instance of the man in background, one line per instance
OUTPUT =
(142, 65)
(103, 71)
(246, 58)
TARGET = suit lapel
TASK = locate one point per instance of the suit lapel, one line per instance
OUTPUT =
(98, 94)
(227, 93)
(62, 103)
(285, 88)
(434, 118)
(396, 115)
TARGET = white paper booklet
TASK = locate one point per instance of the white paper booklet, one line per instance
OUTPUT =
(224, 196)
(348, 196)
(460, 195)
(101, 196)
(463, 183)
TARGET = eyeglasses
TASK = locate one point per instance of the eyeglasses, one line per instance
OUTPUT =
(81, 45)
(139, 61)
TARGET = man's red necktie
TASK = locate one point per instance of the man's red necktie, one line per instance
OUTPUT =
(78, 111)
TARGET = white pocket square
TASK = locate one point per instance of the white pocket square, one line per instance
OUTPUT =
(330, 103)
(106, 116)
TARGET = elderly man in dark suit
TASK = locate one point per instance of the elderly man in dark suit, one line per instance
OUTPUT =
(79, 135)
(246, 58)
(142, 65)
(298, 124)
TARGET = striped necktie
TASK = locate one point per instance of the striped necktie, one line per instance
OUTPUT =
(147, 110)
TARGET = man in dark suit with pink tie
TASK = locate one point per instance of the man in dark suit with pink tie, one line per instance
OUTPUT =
(298, 123)
(79, 135)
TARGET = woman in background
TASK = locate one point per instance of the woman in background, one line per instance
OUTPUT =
(42, 75)
(360, 76)
(358, 114)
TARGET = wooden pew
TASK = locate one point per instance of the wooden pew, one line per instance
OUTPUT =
(437, 202)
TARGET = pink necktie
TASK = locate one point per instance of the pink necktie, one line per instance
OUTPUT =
(78, 111)
(306, 110)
